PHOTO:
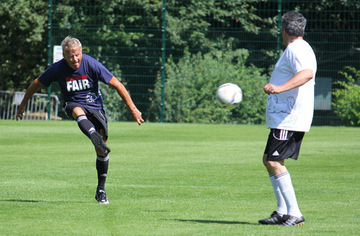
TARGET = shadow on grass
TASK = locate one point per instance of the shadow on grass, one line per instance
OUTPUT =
(215, 222)
(37, 201)
(21, 200)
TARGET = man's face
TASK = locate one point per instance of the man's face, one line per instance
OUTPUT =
(285, 37)
(73, 57)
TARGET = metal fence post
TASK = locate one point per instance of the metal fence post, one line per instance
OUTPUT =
(279, 30)
(49, 58)
(163, 58)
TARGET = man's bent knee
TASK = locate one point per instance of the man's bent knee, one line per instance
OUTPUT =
(77, 111)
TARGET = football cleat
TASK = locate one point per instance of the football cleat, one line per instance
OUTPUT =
(294, 221)
(99, 143)
(274, 219)
(100, 196)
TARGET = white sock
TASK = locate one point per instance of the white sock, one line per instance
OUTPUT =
(281, 204)
(288, 192)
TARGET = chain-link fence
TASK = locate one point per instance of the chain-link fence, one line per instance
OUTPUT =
(134, 39)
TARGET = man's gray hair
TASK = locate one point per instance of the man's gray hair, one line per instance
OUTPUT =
(294, 23)
(71, 43)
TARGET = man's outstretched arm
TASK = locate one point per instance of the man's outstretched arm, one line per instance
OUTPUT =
(125, 96)
(33, 88)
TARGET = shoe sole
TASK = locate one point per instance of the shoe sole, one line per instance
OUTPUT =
(100, 202)
(104, 203)
(298, 224)
(99, 143)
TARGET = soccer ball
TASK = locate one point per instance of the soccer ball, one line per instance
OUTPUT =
(229, 95)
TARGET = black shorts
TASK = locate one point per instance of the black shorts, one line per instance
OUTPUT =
(96, 116)
(283, 144)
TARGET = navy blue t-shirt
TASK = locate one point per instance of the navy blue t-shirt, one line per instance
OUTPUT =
(79, 85)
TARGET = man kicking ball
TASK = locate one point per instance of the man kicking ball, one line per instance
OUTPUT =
(78, 76)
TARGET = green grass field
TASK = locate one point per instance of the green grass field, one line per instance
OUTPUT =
(171, 179)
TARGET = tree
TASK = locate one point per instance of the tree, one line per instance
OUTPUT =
(23, 42)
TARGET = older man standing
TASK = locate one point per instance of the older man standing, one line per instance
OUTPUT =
(289, 115)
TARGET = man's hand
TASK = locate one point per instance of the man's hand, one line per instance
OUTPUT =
(272, 88)
(136, 114)
(21, 112)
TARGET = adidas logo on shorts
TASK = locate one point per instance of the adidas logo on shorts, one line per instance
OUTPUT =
(276, 154)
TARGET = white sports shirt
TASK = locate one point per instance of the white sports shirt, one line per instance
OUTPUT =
(293, 109)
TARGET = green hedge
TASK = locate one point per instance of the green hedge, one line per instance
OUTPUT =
(347, 97)
(191, 86)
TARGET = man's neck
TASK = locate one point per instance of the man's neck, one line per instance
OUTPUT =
(291, 39)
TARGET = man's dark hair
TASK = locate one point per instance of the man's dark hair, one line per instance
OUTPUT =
(294, 23)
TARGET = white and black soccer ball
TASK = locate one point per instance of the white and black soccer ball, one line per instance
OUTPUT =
(229, 95)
